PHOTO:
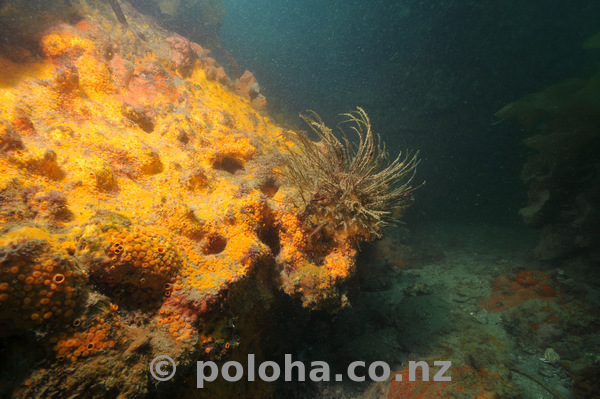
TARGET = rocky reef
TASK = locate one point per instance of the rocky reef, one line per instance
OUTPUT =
(563, 173)
(143, 208)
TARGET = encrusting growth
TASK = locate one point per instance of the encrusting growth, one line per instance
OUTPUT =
(142, 211)
(347, 188)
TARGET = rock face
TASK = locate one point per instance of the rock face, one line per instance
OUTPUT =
(248, 87)
(563, 173)
(142, 207)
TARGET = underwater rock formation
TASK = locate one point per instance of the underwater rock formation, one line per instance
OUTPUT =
(248, 87)
(563, 174)
(204, 16)
(346, 193)
(142, 207)
(198, 20)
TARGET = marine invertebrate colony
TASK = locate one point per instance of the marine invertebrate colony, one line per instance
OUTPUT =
(139, 197)
(349, 188)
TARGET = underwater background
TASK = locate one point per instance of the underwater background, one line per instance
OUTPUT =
(161, 193)
(431, 75)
